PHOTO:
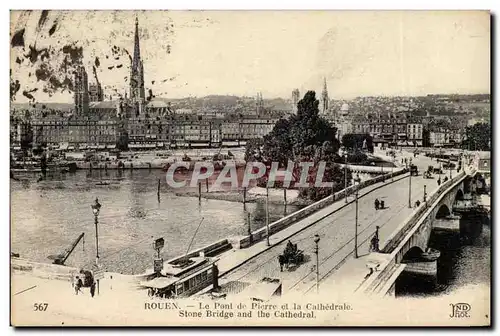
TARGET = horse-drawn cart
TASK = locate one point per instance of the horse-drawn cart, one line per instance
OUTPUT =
(291, 256)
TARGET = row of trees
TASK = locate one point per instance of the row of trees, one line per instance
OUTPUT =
(478, 137)
(304, 137)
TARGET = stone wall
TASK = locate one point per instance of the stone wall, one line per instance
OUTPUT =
(41, 270)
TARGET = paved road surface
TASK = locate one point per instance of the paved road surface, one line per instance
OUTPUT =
(337, 236)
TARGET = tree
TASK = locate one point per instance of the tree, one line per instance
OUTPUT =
(478, 137)
(302, 137)
(357, 141)
(253, 150)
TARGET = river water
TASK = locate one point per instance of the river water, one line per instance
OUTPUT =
(465, 261)
(47, 216)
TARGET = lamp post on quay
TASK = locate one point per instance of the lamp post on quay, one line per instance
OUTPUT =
(96, 207)
(393, 163)
(357, 180)
(409, 185)
(316, 251)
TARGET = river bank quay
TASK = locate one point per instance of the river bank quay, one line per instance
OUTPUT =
(253, 195)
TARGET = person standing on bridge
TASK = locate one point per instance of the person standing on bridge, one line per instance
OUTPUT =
(375, 241)
(281, 261)
(92, 289)
(377, 204)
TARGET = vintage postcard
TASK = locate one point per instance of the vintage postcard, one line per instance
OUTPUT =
(250, 168)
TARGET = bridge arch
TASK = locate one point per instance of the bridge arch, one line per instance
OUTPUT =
(443, 211)
(459, 196)
(413, 253)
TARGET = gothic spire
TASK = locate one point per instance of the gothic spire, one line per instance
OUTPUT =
(137, 49)
(137, 70)
(324, 96)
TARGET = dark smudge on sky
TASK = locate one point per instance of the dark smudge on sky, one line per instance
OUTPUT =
(18, 39)
(53, 29)
(43, 19)
(27, 94)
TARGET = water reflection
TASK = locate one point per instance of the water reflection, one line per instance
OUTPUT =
(464, 260)
(49, 215)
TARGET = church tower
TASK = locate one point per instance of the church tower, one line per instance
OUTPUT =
(137, 71)
(324, 99)
(81, 95)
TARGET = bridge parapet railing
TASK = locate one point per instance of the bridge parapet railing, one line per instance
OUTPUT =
(398, 234)
(280, 224)
(398, 237)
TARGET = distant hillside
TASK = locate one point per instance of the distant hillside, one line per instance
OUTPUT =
(49, 106)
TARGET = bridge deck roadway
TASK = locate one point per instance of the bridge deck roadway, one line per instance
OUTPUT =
(337, 267)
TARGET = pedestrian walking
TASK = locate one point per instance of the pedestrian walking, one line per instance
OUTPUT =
(281, 260)
(377, 203)
(439, 181)
(375, 241)
(78, 285)
(92, 289)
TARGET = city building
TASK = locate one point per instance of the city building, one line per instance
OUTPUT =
(383, 127)
(95, 93)
(414, 133)
(96, 123)
(439, 137)
(344, 122)
(81, 95)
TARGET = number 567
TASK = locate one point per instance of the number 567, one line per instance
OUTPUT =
(40, 306)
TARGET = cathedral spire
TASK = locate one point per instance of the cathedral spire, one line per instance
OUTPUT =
(137, 49)
(324, 97)
(137, 70)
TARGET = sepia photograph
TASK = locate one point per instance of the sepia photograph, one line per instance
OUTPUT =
(250, 168)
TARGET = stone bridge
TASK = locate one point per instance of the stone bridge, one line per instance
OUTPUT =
(412, 237)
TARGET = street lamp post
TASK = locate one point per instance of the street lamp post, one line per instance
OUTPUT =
(409, 185)
(449, 166)
(345, 177)
(316, 251)
(96, 207)
(393, 163)
(267, 217)
(356, 181)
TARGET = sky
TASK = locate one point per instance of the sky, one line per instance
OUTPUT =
(198, 53)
